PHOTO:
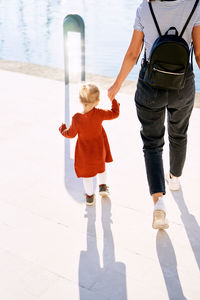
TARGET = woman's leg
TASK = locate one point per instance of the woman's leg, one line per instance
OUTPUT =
(152, 133)
(88, 185)
(151, 106)
(179, 112)
(178, 122)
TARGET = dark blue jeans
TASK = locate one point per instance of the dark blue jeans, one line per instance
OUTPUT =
(152, 104)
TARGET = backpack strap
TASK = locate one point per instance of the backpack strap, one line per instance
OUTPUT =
(154, 18)
(186, 24)
(190, 16)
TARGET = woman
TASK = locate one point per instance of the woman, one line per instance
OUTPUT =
(152, 103)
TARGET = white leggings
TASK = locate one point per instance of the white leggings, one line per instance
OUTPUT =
(88, 183)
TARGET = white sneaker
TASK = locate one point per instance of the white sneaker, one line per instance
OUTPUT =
(159, 215)
(174, 183)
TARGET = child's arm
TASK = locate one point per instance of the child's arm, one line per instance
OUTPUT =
(110, 114)
(68, 133)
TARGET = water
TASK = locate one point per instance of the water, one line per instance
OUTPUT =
(31, 31)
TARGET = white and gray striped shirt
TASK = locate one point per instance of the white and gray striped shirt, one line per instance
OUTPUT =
(168, 13)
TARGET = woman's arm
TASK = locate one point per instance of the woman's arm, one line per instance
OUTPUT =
(196, 43)
(128, 62)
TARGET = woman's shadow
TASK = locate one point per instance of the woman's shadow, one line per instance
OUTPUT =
(192, 228)
(96, 282)
(166, 252)
(168, 263)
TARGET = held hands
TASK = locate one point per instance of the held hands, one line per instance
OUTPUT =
(113, 90)
(62, 128)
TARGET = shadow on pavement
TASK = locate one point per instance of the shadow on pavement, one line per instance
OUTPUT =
(192, 228)
(168, 263)
(109, 281)
(73, 184)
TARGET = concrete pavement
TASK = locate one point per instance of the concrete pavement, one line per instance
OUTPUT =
(54, 248)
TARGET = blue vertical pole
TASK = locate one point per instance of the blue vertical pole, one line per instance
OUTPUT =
(71, 23)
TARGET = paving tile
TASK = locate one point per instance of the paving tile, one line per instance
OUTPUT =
(21, 279)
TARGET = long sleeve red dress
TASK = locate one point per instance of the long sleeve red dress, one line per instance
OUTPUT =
(92, 148)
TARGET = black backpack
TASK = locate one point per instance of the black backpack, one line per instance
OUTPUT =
(169, 58)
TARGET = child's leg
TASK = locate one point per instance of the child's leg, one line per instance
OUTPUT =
(102, 177)
(88, 185)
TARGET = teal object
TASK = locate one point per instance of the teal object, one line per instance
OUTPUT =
(74, 23)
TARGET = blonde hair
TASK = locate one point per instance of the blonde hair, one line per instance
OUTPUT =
(89, 94)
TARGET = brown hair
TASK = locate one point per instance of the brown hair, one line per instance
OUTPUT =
(89, 94)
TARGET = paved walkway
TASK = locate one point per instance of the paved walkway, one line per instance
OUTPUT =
(54, 248)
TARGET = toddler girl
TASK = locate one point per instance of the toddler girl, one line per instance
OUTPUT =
(92, 148)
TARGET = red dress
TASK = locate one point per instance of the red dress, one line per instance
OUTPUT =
(92, 148)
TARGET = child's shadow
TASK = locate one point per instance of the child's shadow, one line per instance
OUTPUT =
(96, 282)
(190, 223)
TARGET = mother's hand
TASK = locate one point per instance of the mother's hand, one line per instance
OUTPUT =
(113, 90)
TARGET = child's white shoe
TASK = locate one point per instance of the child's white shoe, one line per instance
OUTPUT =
(159, 215)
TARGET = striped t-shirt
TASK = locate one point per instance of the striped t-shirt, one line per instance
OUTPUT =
(168, 13)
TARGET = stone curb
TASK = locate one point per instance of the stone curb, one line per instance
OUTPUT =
(58, 74)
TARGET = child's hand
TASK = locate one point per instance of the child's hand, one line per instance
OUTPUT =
(62, 127)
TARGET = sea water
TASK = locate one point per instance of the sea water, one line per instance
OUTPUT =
(32, 31)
